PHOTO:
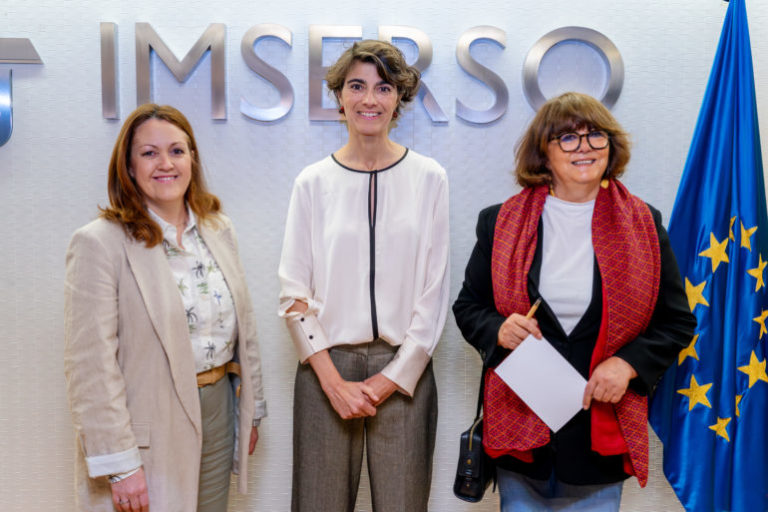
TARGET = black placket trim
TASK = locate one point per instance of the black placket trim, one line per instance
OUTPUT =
(373, 188)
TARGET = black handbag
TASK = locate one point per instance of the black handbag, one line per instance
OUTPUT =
(476, 469)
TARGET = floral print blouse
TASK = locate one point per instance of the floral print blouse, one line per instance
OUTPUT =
(207, 301)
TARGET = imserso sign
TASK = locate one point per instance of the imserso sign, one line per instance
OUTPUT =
(213, 40)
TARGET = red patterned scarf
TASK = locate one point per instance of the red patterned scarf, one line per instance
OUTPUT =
(626, 246)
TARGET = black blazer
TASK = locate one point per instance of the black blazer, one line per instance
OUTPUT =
(671, 328)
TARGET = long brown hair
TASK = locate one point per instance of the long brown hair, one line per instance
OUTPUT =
(567, 112)
(126, 204)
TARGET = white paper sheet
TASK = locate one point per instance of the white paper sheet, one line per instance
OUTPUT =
(544, 380)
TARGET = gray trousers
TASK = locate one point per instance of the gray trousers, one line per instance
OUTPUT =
(328, 451)
(217, 410)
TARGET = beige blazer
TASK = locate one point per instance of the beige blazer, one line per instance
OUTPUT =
(130, 368)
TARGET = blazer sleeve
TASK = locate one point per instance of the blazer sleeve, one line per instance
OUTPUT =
(475, 308)
(251, 340)
(671, 327)
(95, 383)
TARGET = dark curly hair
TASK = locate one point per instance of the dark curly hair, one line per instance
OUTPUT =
(390, 64)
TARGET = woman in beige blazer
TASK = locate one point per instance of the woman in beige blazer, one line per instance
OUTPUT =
(144, 414)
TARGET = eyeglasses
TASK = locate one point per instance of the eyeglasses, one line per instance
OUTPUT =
(570, 142)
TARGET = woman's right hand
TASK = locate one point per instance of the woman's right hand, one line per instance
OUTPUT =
(515, 329)
(130, 493)
(351, 399)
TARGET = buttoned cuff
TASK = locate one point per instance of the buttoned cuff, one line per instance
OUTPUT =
(307, 334)
(113, 463)
(406, 367)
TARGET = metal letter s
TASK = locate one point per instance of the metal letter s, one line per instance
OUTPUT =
(272, 75)
(483, 74)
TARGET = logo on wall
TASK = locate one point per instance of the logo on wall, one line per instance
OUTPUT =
(12, 51)
(213, 40)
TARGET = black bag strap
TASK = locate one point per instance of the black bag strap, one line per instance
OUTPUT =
(480, 393)
(479, 417)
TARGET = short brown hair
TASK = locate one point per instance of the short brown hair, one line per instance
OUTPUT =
(567, 112)
(126, 204)
(390, 64)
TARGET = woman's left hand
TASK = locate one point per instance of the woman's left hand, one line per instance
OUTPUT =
(382, 386)
(609, 381)
(254, 440)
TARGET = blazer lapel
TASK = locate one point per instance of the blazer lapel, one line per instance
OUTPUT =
(163, 302)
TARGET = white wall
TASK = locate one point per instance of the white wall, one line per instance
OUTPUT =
(52, 177)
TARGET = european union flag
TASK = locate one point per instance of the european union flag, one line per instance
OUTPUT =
(711, 408)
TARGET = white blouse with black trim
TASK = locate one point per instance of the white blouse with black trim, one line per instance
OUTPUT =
(368, 252)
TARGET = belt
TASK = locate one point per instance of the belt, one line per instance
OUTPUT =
(214, 375)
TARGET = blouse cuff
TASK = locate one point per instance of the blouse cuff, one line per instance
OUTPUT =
(406, 367)
(307, 334)
(259, 409)
(113, 463)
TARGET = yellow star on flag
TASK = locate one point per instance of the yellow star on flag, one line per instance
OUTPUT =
(716, 251)
(695, 294)
(738, 399)
(720, 428)
(689, 351)
(696, 394)
(755, 369)
(757, 272)
(746, 234)
(730, 229)
(759, 319)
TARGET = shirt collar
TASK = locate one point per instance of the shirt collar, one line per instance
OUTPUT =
(168, 229)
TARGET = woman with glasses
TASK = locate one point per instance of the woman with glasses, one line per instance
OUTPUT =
(612, 305)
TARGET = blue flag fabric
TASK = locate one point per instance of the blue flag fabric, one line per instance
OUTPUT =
(711, 408)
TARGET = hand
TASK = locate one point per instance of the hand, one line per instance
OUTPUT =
(352, 399)
(130, 494)
(348, 398)
(382, 386)
(515, 329)
(609, 381)
(254, 440)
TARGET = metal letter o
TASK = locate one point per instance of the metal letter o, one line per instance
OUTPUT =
(595, 39)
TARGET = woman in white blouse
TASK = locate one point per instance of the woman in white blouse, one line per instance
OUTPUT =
(364, 294)
(158, 326)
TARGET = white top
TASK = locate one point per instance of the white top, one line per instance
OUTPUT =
(568, 259)
(207, 301)
(368, 252)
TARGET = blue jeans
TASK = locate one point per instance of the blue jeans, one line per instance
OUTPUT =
(522, 494)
